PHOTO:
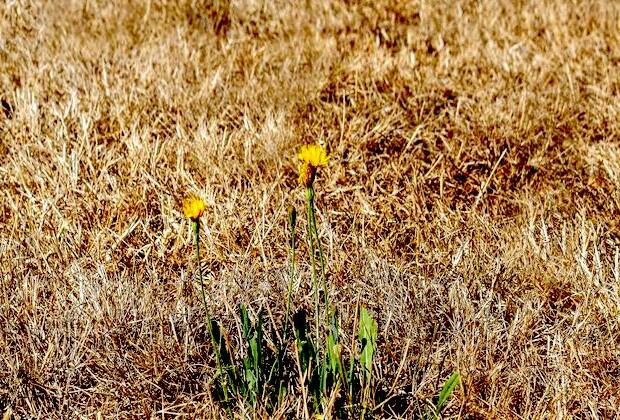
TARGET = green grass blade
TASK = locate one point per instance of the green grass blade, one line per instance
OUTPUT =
(446, 391)
(367, 335)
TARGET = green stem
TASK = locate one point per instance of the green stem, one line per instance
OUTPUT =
(216, 349)
(310, 212)
(322, 261)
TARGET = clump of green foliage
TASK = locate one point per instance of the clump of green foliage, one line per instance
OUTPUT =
(309, 356)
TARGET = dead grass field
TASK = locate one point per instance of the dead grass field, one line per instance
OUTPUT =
(472, 200)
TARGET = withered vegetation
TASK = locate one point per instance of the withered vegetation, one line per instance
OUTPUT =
(472, 200)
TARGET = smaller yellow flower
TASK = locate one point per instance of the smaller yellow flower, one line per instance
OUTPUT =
(312, 157)
(193, 207)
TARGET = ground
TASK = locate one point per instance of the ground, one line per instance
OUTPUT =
(471, 201)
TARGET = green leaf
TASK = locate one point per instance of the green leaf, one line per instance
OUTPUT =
(333, 353)
(446, 391)
(253, 360)
(368, 337)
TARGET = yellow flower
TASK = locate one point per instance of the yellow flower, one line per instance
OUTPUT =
(193, 207)
(312, 156)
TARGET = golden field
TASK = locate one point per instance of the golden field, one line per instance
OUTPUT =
(471, 201)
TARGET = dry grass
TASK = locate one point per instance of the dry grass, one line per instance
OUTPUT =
(472, 202)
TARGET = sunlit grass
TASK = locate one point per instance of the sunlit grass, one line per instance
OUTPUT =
(470, 206)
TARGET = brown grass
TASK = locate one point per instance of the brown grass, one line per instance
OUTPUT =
(472, 201)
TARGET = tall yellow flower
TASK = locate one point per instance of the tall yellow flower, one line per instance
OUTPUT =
(193, 207)
(312, 157)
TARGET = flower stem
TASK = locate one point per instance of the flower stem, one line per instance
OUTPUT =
(315, 286)
(322, 261)
(216, 349)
